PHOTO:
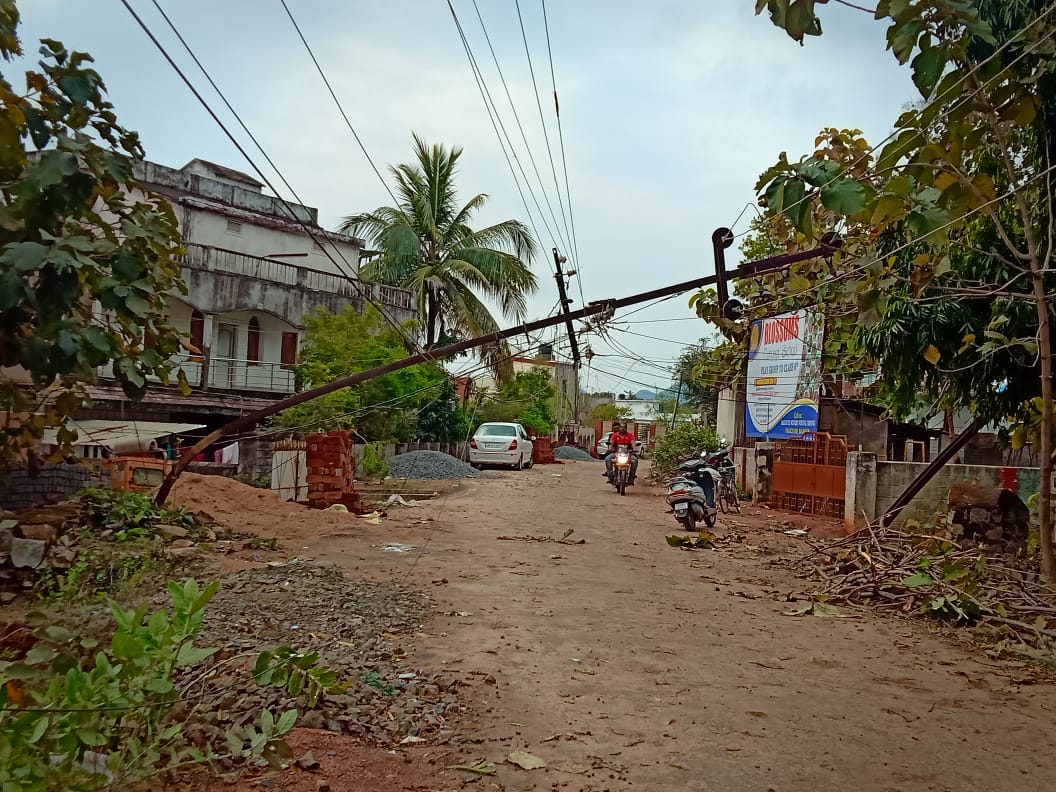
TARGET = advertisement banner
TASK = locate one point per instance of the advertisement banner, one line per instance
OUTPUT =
(784, 375)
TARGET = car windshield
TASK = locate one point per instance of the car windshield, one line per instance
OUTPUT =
(496, 430)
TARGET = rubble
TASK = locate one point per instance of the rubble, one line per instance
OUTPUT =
(360, 630)
(572, 453)
(429, 465)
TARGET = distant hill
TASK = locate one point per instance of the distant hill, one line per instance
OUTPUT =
(648, 395)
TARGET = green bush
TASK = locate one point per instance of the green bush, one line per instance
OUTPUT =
(684, 442)
(83, 715)
(374, 465)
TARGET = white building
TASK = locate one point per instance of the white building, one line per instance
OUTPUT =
(252, 273)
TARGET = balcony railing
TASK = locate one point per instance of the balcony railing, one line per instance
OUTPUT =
(232, 374)
(204, 257)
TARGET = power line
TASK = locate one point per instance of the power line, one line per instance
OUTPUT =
(341, 109)
(564, 159)
(542, 120)
(497, 124)
(517, 118)
(296, 217)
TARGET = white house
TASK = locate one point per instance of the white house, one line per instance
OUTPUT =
(252, 273)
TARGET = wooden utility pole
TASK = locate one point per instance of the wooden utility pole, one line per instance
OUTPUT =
(559, 276)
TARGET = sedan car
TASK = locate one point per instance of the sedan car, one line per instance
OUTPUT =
(501, 444)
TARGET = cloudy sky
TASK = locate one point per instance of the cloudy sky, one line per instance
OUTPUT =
(670, 111)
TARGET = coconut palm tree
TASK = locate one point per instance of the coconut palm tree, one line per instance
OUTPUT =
(426, 244)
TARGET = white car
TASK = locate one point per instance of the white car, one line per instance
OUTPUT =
(501, 444)
(603, 447)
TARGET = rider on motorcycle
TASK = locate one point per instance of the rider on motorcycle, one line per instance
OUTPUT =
(620, 436)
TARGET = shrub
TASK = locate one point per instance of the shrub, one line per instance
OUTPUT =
(374, 465)
(684, 442)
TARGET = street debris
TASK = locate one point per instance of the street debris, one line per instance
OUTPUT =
(525, 760)
(563, 540)
(821, 610)
(480, 768)
(933, 575)
(429, 465)
(355, 626)
(397, 500)
(705, 540)
(397, 547)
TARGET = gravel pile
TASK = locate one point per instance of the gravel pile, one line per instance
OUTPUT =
(360, 630)
(429, 465)
(573, 453)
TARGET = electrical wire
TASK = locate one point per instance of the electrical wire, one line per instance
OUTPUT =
(341, 109)
(564, 159)
(260, 173)
(542, 122)
(517, 118)
(497, 125)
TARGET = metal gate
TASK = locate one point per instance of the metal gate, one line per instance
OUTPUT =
(810, 475)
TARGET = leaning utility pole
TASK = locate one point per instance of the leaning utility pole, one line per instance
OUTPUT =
(251, 419)
(559, 276)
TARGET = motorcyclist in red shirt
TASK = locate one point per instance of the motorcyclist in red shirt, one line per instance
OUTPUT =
(620, 436)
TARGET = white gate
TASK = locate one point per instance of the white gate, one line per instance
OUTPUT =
(289, 470)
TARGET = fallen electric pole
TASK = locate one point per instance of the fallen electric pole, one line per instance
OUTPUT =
(250, 420)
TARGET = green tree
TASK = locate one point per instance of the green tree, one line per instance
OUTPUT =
(427, 245)
(953, 281)
(384, 408)
(441, 420)
(74, 239)
(609, 412)
(527, 399)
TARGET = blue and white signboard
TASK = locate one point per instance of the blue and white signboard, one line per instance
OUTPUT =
(784, 375)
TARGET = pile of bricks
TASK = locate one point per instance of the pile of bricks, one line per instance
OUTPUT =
(331, 469)
(542, 451)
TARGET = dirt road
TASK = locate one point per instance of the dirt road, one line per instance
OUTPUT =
(624, 663)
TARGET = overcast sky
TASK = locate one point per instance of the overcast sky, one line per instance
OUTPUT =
(670, 110)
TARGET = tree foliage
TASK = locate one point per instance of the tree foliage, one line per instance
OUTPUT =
(384, 408)
(74, 239)
(685, 441)
(527, 399)
(949, 270)
(428, 246)
(609, 412)
(441, 419)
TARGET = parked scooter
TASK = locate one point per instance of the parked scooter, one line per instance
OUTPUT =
(691, 495)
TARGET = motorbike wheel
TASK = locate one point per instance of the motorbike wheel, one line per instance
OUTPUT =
(709, 518)
(621, 482)
(720, 496)
(689, 522)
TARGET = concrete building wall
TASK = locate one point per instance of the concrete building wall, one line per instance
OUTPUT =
(55, 482)
(874, 484)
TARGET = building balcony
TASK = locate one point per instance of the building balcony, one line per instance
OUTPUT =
(201, 259)
(230, 374)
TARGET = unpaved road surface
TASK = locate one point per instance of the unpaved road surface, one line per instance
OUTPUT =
(624, 663)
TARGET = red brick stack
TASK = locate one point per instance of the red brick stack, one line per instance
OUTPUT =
(331, 469)
(542, 451)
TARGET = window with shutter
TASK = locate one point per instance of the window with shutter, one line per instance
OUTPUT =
(253, 342)
(198, 335)
(289, 349)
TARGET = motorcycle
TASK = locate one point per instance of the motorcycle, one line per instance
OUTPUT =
(621, 468)
(691, 495)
